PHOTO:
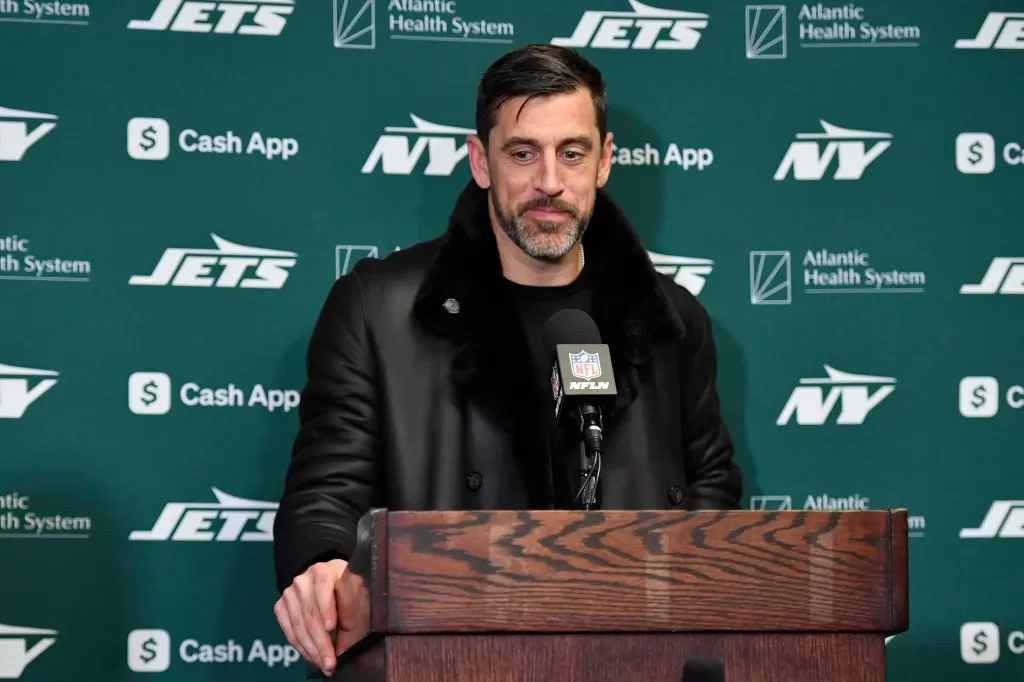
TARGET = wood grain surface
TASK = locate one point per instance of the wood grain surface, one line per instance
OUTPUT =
(630, 571)
(632, 658)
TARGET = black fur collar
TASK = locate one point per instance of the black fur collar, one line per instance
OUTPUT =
(630, 307)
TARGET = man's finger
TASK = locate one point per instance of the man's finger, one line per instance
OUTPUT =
(284, 620)
(326, 603)
(305, 646)
(323, 647)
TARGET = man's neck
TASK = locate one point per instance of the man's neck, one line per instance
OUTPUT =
(520, 268)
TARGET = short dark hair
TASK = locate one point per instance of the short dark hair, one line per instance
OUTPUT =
(536, 71)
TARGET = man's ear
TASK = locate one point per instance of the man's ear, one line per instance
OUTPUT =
(478, 162)
(604, 167)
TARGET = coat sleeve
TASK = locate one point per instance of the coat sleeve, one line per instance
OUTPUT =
(715, 480)
(331, 479)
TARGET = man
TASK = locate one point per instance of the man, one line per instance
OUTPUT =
(428, 372)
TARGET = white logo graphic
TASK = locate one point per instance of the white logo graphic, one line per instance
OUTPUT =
(852, 391)
(826, 272)
(813, 503)
(149, 651)
(150, 393)
(766, 32)
(674, 155)
(975, 153)
(16, 262)
(195, 521)
(15, 393)
(149, 139)
(845, 26)
(347, 255)
(15, 136)
(266, 268)
(821, 26)
(915, 524)
(15, 654)
(17, 520)
(44, 12)
(685, 271)
(1005, 519)
(441, 142)
(979, 396)
(808, 161)
(355, 24)
(1004, 275)
(979, 642)
(235, 17)
(655, 29)
(771, 278)
(1001, 30)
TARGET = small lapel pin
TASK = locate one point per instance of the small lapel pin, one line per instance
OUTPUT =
(451, 305)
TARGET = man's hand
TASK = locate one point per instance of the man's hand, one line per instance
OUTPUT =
(311, 607)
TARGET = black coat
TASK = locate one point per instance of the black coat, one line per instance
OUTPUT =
(409, 405)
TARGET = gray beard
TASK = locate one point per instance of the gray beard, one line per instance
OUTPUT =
(518, 229)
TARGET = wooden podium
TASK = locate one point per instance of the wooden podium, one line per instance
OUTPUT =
(617, 596)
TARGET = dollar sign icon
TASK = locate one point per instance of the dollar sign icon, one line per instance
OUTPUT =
(149, 394)
(980, 642)
(974, 153)
(149, 650)
(148, 138)
(978, 397)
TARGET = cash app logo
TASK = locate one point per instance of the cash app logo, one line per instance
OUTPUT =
(975, 153)
(149, 651)
(149, 393)
(149, 139)
(979, 396)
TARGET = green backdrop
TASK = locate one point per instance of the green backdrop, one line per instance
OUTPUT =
(183, 181)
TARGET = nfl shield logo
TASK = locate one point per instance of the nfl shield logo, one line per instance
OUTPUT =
(585, 365)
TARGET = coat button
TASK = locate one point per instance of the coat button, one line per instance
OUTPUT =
(474, 480)
(675, 494)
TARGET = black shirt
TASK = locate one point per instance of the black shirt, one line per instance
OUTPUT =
(535, 305)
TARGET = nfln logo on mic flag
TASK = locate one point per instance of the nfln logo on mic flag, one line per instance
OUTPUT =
(585, 365)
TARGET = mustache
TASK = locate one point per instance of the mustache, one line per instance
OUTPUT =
(548, 202)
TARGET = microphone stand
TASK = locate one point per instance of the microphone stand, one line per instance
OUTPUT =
(591, 433)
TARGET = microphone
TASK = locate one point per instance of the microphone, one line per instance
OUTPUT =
(582, 384)
(703, 669)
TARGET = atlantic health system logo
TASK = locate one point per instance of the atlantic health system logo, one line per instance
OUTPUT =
(355, 23)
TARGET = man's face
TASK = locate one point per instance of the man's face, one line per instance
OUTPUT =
(542, 168)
